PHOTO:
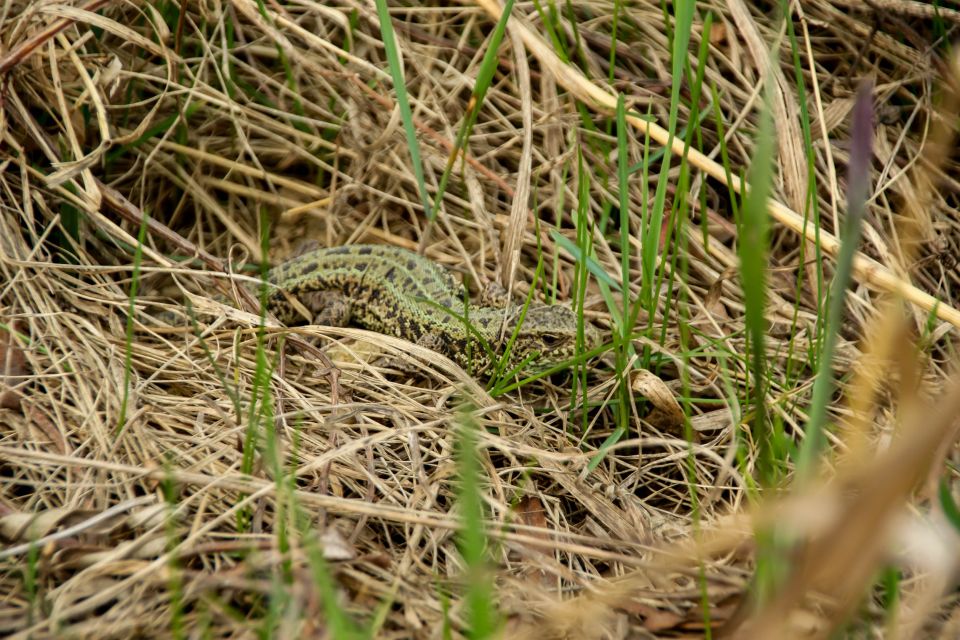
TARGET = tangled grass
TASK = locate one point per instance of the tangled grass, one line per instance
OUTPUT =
(220, 475)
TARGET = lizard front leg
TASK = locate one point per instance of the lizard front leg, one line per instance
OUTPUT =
(494, 295)
(328, 307)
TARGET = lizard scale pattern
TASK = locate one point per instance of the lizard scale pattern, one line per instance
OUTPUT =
(402, 294)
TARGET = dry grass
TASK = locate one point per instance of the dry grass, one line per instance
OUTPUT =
(219, 118)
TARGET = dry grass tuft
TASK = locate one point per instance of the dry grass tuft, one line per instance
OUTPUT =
(125, 508)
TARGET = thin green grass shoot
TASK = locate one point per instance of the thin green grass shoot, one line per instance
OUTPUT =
(859, 184)
(288, 73)
(406, 114)
(584, 245)
(753, 249)
(488, 66)
(482, 616)
(597, 144)
(623, 327)
(171, 497)
(261, 439)
(889, 591)
(501, 362)
(31, 585)
(679, 215)
(131, 312)
(651, 225)
(340, 624)
(680, 265)
(155, 131)
(614, 25)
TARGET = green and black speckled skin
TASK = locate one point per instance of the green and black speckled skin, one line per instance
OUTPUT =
(383, 289)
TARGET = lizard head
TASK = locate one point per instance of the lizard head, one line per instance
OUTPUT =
(549, 334)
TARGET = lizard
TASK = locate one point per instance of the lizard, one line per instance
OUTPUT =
(400, 293)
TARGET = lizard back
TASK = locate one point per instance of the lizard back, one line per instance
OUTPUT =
(400, 293)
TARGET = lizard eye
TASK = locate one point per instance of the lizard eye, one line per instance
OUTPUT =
(550, 340)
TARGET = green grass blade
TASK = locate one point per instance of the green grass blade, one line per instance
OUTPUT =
(585, 231)
(860, 138)
(948, 505)
(488, 66)
(614, 24)
(623, 180)
(131, 311)
(482, 616)
(753, 275)
(594, 267)
(175, 585)
(406, 114)
(651, 234)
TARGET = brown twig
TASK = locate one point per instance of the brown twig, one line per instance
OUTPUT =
(23, 50)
